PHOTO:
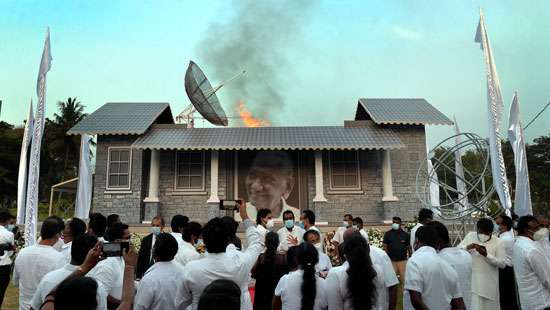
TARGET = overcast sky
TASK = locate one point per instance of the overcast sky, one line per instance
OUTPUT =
(308, 62)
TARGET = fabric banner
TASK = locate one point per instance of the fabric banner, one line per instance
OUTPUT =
(84, 192)
(23, 168)
(31, 208)
(434, 182)
(459, 171)
(495, 107)
(522, 202)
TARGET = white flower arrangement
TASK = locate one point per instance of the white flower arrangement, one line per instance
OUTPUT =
(376, 236)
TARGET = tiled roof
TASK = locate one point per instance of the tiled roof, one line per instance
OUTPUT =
(122, 118)
(269, 138)
(405, 111)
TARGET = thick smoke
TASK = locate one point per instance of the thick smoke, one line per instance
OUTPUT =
(257, 38)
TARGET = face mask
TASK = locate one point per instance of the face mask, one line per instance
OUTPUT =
(11, 227)
(541, 234)
(483, 237)
(395, 226)
(496, 228)
(301, 225)
(515, 225)
(344, 224)
(289, 224)
(155, 230)
(269, 224)
(355, 227)
(318, 246)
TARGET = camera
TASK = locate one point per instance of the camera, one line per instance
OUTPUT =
(230, 205)
(114, 249)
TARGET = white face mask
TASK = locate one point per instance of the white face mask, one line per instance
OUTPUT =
(345, 224)
(541, 234)
(269, 224)
(483, 237)
(395, 226)
(318, 246)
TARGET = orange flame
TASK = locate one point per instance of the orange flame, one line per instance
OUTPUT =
(248, 119)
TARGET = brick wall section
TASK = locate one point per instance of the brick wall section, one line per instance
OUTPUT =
(194, 206)
(405, 164)
(127, 205)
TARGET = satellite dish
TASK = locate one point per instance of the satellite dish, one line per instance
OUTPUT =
(203, 95)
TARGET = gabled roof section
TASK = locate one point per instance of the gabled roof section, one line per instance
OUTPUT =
(124, 118)
(178, 137)
(400, 111)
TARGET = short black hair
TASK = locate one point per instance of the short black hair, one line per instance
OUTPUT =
(310, 216)
(358, 220)
(5, 216)
(158, 218)
(397, 218)
(348, 216)
(220, 294)
(427, 235)
(506, 221)
(514, 216)
(288, 212)
(261, 214)
(178, 222)
(216, 236)
(291, 257)
(77, 227)
(50, 227)
(80, 248)
(60, 222)
(425, 214)
(115, 232)
(232, 227)
(165, 248)
(442, 232)
(311, 232)
(191, 229)
(485, 225)
(79, 291)
(112, 219)
(98, 223)
(523, 223)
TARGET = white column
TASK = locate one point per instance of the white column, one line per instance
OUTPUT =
(154, 167)
(214, 162)
(387, 178)
(319, 194)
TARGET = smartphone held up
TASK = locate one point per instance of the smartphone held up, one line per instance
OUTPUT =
(230, 205)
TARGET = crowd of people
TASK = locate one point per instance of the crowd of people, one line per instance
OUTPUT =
(504, 264)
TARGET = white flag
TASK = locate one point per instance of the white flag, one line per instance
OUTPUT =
(517, 140)
(459, 170)
(495, 107)
(31, 209)
(84, 193)
(23, 163)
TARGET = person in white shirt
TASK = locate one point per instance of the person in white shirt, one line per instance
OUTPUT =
(177, 224)
(302, 289)
(542, 239)
(110, 271)
(488, 255)
(74, 228)
(187, 252)
(290, 234)
(7, 243)
(506, 278)
(217, 264)
(161, 286)
(430, 281)
(33, 262)
(355, 284)
(347, 223)
(358, 225)
(324, 264)
(531, 267)
(424, 217)
(97, 225)
(307, 220)
(459, 259)
(264, 222)
(79, 249)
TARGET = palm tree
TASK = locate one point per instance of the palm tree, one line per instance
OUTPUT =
(70, 113)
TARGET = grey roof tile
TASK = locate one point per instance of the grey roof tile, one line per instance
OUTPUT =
(121, 118)
(268, 138)
(402, 111)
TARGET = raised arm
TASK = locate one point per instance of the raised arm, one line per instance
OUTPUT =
(255, 244)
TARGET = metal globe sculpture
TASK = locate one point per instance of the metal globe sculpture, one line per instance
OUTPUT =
(454, 191)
